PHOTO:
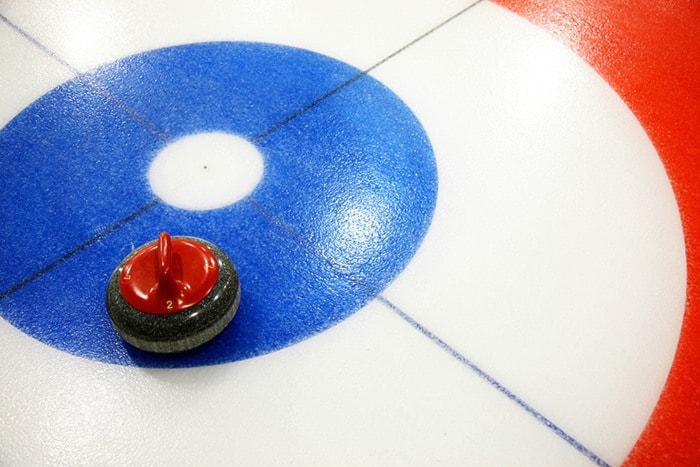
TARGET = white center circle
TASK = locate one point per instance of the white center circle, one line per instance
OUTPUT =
(205, 171)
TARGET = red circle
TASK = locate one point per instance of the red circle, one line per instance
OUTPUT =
(194, 273)
(648, 52)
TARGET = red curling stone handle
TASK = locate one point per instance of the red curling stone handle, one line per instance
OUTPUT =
(168, 275)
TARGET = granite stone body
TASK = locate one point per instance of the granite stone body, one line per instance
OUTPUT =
(183, 330)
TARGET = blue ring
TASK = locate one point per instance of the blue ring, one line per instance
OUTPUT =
(347, 194)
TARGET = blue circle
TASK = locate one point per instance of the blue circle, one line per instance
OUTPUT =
(347, 194)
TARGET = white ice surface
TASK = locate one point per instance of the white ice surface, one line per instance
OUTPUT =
(555, 262)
